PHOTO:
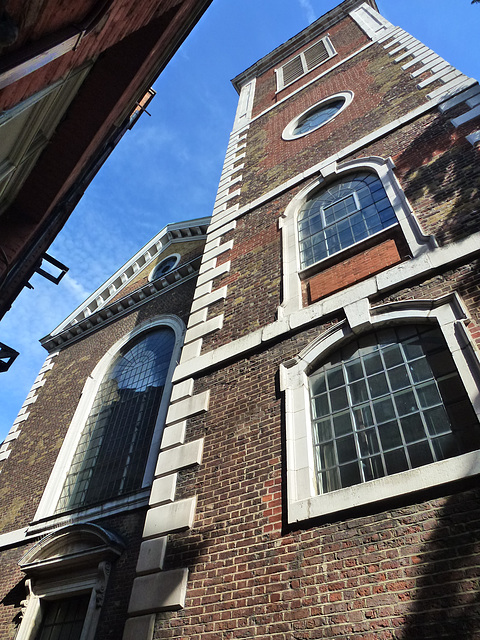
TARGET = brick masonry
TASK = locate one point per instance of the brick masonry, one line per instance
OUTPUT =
(400, 569)
(353, 270)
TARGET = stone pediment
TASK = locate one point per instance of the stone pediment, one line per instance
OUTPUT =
(74, 547)
(107, 301)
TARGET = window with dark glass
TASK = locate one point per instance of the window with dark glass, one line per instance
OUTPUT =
(386, 403)
(318, 116)
(164, 267)
(63, 619)
(342, 214)
(112, 452)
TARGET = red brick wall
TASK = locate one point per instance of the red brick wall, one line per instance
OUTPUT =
(346, 38)
(375, 81)
(407, 569)
(353, 270)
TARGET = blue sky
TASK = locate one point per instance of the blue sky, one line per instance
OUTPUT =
(167, 168)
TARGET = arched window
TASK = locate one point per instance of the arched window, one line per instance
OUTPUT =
(388, 402)
(342, 214)
(112, 452)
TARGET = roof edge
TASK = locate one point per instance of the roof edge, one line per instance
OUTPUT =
(290, 46)
(193, 229)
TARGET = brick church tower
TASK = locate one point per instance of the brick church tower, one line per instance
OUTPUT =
(315, 473)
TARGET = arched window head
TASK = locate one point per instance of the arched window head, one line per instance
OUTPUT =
(112, 452)
(342, 214)
(386, 403)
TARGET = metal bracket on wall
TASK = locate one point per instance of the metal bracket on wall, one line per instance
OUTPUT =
(55, 263)
(7, 357)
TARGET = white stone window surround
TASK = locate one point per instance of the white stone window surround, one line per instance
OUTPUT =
(417, 241)
(153, 273)
(279, 73)
(288, 132)
(303, 501)
(55, 483)
(72, 561)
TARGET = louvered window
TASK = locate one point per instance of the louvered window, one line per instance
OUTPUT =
(305, 62)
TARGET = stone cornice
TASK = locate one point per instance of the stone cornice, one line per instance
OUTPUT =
(101, 298)
(120, 307)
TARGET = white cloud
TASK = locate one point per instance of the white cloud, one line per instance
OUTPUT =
(309, 10)
(79, 292)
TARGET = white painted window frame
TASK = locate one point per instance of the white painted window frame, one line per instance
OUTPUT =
(417, 241)
(152, 275)
(288, 132)
(84, 572)
(448, 313)
(279, 72)
(32, 123)
(51, 495)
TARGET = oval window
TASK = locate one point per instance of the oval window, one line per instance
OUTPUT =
(165, 266)
(316, 116)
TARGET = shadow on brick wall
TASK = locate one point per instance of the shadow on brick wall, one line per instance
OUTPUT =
(446, 573)
(439, 174)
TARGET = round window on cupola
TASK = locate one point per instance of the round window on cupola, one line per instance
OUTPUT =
(165, 266)
(317, 115)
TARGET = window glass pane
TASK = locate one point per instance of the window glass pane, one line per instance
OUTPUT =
(363, 416)
(318, 384)
(329, 481)
(420, 454)
(354, 370)
(446, 447)
(398, 378)
(377, 385)
(405, 402)
(342, 423)
(383, 410)
(412, 427)
(351, 209)
(338, 399)
(368, 442)
(373, 468)
(428, 395)
(396, 461)
(318, 116)
(358, 392)
(112, 453)
(335, 378)
(324, 430)
(346, 450)
(350, 474)
(327, 455)
(63, 619)
(322, 407)
(387, 413)
(420, 370)
(373, 363)
(390, 436)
